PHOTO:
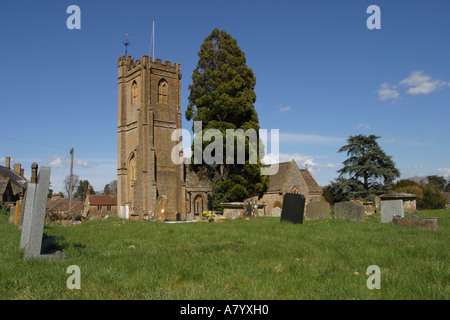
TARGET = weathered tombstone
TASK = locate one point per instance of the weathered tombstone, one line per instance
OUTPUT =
(251, 207)
(276, 212)
(349, 210)
(415, 221)
(293, 208)
(36, 245)
(317, 210)
(12, 213)
(391, 208)
(27, 213)
(160, 208)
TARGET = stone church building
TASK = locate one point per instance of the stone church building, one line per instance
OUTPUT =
(149, 110)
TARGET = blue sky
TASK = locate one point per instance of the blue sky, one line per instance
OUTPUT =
(321, 76)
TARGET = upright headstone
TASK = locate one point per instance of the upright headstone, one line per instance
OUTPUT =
(36, 245)
(317, 210)
(251, 207)
(293, 208)
(12, 214)
(391, 208)
(276, 212)
(27, 214)
(349, 210)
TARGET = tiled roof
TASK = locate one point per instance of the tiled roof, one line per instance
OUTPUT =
(277, 179)
(310, 181)
(15, 178)
(102, 200)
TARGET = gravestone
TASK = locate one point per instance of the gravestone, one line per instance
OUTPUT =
(12, 213)
(415, 221)
(391, 208)
(317, 210)
(251, 207)
(38, 246)
(293, 208)
(27, 213)
(276, 212)
(349, 210)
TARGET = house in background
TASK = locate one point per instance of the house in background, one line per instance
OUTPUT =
(58, 208)
(99, 206)
(291, 179)
(12, 183)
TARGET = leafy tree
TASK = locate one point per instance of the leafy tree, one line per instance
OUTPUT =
(447, 187)
(367, 172)
(222, 97)
(438, 181)
(82, 190)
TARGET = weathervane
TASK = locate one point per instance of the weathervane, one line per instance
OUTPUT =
(126, 44)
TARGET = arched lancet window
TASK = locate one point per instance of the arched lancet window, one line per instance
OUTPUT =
(163, 91)
(295, 190)
(134, 94)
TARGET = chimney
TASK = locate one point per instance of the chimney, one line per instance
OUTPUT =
(22, 172)
(8, 162)
(34, 170)
(111, 192)
(17, 168)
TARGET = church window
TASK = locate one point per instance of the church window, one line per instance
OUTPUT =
(295, 190)
(134, 94)
(163, 91)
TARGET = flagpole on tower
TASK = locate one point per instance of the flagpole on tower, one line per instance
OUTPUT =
(126, 44)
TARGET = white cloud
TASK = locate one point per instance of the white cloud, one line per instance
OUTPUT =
(390, 140)
(301, 159)
(363, 126)
(310, 139)
(62, 161)
(444, 172)
(417, 83)
(284, 109)
(421, 83)
(387, 93)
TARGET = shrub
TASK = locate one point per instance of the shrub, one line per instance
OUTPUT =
(433, 198)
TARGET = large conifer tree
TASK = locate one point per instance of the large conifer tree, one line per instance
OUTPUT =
(367, 172)
(222, 97)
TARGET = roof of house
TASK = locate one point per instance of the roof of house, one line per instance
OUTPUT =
(310, 181)
(277, 180)
(17, 181)
(102, 200)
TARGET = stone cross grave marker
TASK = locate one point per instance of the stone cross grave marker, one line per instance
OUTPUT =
(391, 208)
(349, 210)
(293, 208)
(35, 244)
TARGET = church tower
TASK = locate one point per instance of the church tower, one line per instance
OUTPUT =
(149, 110)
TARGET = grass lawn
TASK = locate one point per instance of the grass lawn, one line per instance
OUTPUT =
(236, 260)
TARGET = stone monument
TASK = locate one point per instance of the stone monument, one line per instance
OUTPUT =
(36, 245)
(293, 208)
(349, 210)
(317, 210)
(391, 208)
